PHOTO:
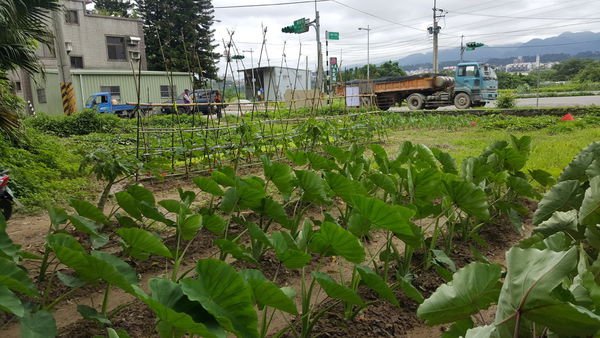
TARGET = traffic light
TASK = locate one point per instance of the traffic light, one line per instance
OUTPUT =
(299, 26)
(288, 29)
(473, 45)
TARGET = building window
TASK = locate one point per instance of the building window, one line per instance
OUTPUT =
(18, 86)
(166, 93)
(47, 51)
(117, 49)
(72, 17)
(77, 62)
(115, 91)
(41, 95)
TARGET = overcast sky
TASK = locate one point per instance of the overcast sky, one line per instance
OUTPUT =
(399, 28)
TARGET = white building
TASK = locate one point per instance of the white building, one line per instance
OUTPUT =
(273, 82)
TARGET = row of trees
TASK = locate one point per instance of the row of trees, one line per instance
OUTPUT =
(389, 68)
(577, 70)
(178, 33)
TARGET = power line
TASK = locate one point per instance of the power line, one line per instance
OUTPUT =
(271, 4)
(528, 30)
(376, 16)
(549, 45)
(521, 17)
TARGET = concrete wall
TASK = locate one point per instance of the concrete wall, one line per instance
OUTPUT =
(88, 38)
(87, 82)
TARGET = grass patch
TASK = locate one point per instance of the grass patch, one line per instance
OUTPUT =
(551, 150)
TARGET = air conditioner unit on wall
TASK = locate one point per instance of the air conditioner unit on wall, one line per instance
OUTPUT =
(134, 41)
(134, 55)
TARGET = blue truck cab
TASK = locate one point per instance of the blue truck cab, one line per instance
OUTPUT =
(475, 85)
(105, 103)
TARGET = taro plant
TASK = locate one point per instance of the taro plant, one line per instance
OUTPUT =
(110, 167)
(218, 299)
(552, 278)
(19, 296)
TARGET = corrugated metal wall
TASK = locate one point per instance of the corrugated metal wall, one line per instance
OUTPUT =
(88, 83)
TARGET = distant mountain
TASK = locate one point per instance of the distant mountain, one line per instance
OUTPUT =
(584, 44)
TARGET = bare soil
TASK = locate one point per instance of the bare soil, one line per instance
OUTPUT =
(381, 319)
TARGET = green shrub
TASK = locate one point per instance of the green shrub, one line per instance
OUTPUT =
(43, 170)
(506, 100)
(86, 122)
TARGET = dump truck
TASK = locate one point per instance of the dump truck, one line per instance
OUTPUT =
(474, 85)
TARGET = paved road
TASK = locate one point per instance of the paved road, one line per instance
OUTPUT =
(569, 101)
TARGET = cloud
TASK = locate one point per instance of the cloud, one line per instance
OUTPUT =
(390, 37)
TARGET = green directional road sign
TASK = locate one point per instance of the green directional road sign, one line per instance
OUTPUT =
(333, 35)
(300, 26)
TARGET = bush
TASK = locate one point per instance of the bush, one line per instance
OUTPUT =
(506, 100)
(86, 122)
(43, 170)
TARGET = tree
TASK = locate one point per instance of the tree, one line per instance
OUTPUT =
(565, 71)
(386, 69)
(22, 27)
(183, 29)
(590, 73)
(114, 7)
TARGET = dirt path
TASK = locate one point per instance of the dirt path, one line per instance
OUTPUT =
(30, 230)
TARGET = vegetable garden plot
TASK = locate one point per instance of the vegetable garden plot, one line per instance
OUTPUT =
(372, 194)
(188, 149)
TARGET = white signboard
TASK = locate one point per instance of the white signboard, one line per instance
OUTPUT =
(352, 97)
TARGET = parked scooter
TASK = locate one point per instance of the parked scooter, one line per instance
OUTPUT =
(6, 196)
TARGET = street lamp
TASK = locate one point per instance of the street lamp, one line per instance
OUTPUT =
(251, 51)
(368, 29)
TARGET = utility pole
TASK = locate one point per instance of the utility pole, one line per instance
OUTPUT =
(251, 51)
(435, 31)
(327, 75)
(537, 66)
(368, 29)
(319, 53)
(64, 65)
(462, 47)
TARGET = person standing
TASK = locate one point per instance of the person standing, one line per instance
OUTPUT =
(218, 104)
(187, 100)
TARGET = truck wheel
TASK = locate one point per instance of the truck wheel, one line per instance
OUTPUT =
(462, 101)
(384, 102)
(415, 101)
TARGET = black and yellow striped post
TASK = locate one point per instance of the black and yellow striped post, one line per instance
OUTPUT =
(68, 98)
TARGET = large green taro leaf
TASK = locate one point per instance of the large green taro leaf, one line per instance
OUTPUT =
(224, 294)
(165, 296)
(376, 283)
(561, 221)
(344, 187)
(564, 196)
(9, 302)
(15, 278)
(313, 187)
(394, 218)
(468, 197)
(280, 174)
(528, 288)
(40, 324)
(473, 288)
(141, 241)
(589, 214)
(335, 290)
(576, 170)
(333, 240)
(267, 293)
